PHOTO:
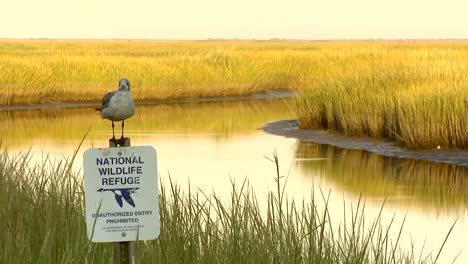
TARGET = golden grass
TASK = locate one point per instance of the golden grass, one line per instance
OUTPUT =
(74, 71)
(414, 93)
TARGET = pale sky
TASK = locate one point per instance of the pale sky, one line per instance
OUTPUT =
(241, 19)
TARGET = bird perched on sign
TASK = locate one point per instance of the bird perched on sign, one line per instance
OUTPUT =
(118, 106)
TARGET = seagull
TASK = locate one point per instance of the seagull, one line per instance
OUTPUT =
(118, 105)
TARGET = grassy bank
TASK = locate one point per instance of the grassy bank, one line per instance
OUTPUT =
(42, 221)
(415, 94)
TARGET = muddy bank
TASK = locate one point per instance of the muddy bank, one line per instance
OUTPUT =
(290, 128)
(267, 95)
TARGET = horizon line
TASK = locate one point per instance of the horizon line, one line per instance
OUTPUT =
(245, 39)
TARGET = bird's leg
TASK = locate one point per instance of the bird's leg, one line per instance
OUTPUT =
(123, 122)
(113, 134)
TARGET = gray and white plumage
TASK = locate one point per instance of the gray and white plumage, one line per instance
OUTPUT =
(118, 105)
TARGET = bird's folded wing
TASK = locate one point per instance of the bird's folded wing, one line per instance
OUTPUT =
(106, 99)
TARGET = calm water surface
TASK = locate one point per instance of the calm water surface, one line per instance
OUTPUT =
(208, 145)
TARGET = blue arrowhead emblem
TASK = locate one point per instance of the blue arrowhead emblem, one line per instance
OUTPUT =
(120, 193)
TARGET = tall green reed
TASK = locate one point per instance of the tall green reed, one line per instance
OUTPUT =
(42, 221)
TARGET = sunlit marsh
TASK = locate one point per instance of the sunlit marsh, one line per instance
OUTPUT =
(411, 93)
(414, 93)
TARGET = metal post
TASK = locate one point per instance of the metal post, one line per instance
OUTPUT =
(125, 251)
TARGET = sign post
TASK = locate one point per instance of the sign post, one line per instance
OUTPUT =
(121, 194)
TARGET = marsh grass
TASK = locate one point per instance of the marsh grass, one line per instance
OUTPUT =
(412, 95)
(82, 71)
(42, 221)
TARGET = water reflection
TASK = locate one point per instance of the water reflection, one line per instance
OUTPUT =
(440, 187)
(206, 143)
(222, 119)
(197, 134)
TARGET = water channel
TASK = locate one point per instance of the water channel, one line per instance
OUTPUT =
(210, 144)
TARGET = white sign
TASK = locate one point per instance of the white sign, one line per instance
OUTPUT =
(121, 192)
